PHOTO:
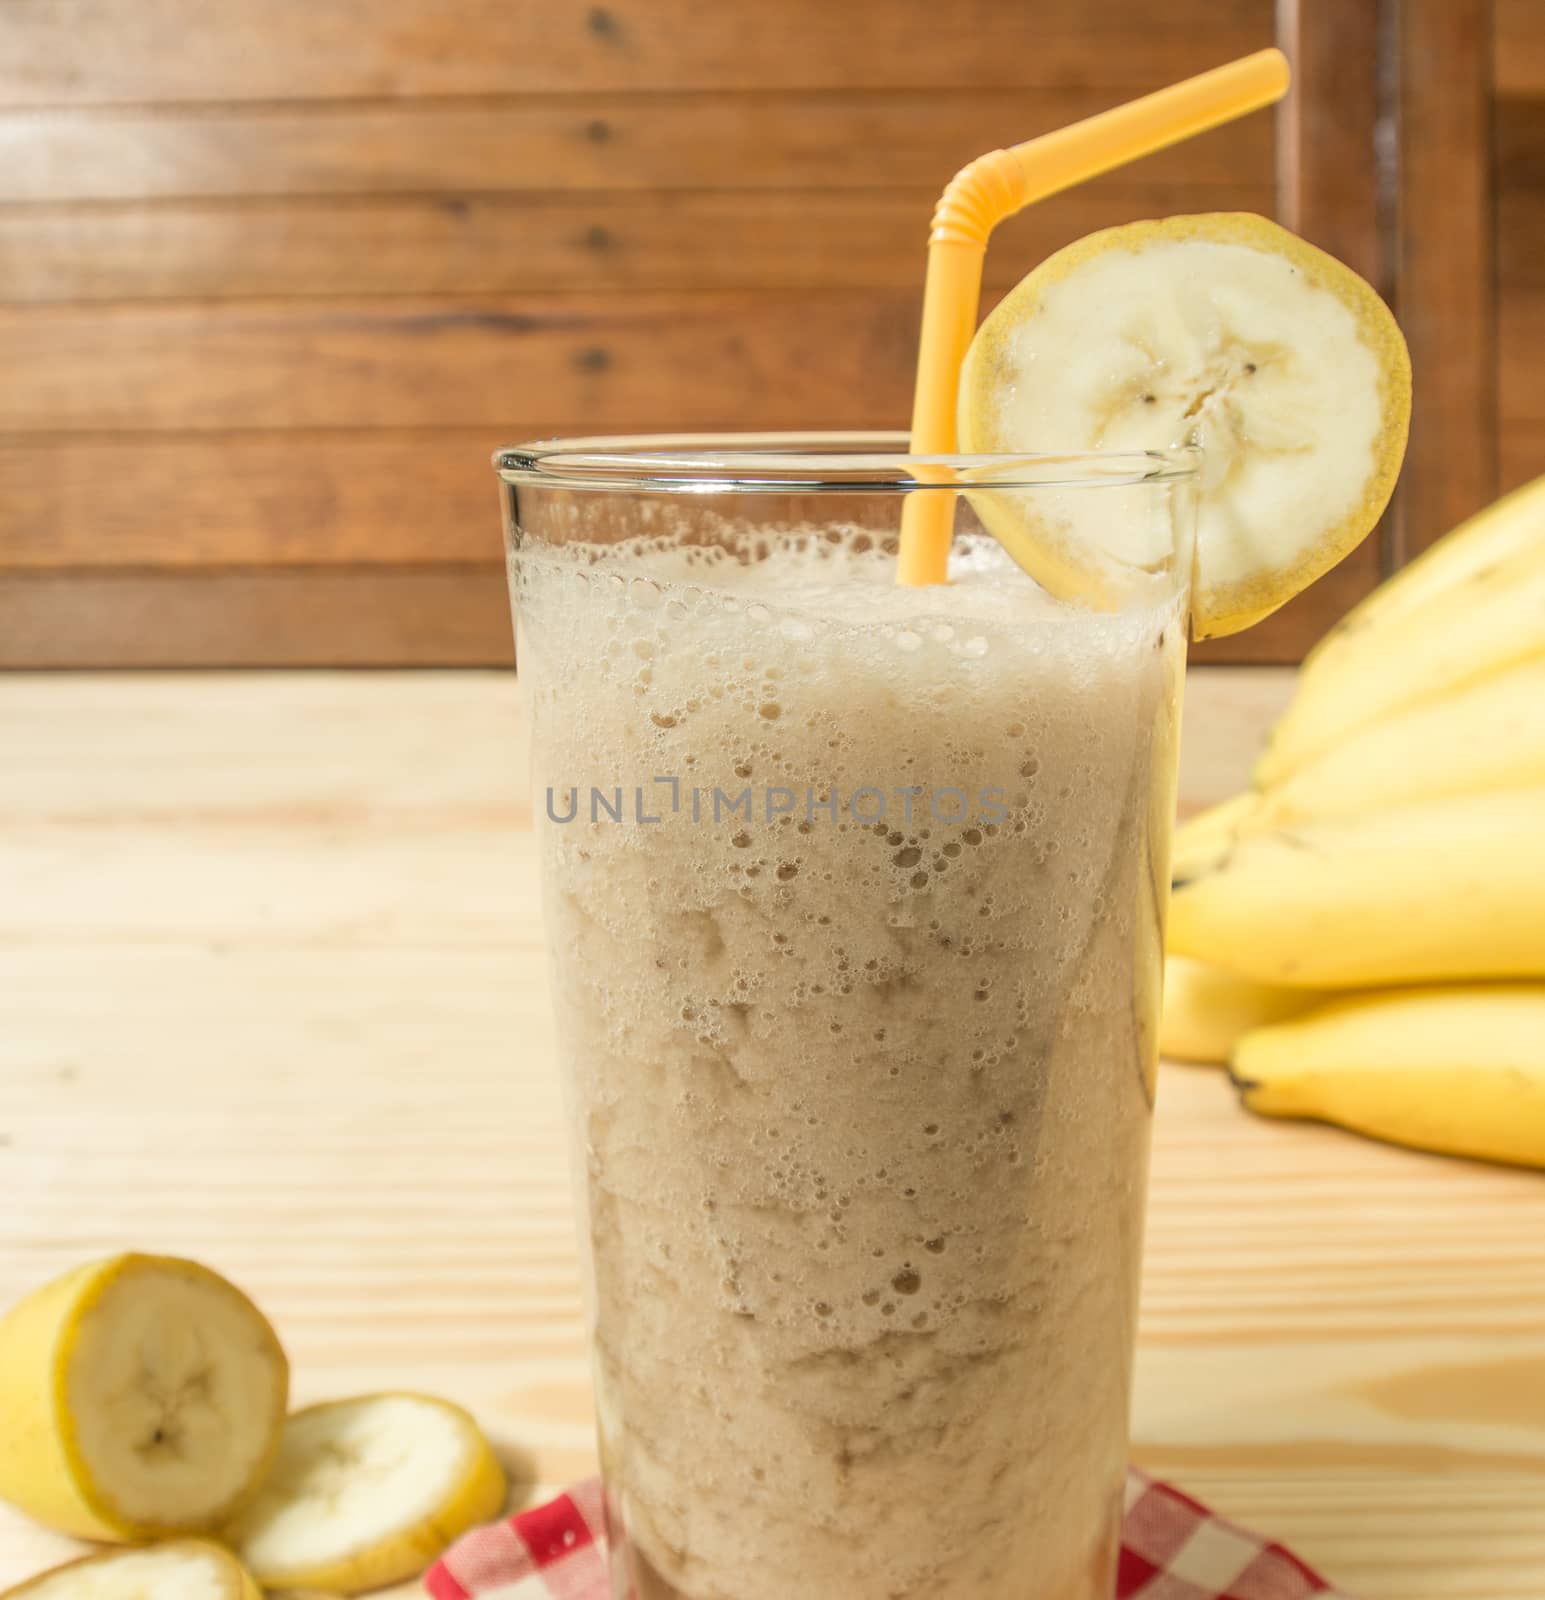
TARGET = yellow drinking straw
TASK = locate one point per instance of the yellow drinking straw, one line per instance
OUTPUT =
(997, 185)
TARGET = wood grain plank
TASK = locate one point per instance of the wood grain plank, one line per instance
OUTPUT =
(274, 616)
(749, 140)
(1520, 240)
(324, 883)
(1523, 454)
(293, 499)
(1521, 346)
(377, 615)
(1521, 277)
(1518, 47)
(53, 53)
(1328, 158)
(1518, 135)
(1445, 265)
(1331, 189)
(189, 505)
(531, 244)
(819, 358)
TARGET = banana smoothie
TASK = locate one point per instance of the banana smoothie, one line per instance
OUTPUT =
(853, 896)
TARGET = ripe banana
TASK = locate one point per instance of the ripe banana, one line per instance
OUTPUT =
(1200, 841)
(1455, 1070)
(141, 1396)
(1206, 1009)
(1492, 619)
(366, 1493)
(180, 1569)
(1488, 736)
(1512, 524)
(1449, 890)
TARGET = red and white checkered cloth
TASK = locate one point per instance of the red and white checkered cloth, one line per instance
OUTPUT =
(1172, 1548)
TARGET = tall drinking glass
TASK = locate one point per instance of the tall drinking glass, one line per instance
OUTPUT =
(855, 897)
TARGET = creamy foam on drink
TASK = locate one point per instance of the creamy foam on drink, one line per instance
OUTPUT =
(861, 1103)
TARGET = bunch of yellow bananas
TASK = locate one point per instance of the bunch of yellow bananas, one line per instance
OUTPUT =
(1362, 934)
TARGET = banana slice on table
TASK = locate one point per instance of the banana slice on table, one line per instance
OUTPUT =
(1222, 330)
(179, 1569)
(141, 1396)
(367, 1492)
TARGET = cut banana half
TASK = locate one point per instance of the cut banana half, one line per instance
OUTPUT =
(1221, 330)
(367, 1492)
(141, 1396)
(180, 1569)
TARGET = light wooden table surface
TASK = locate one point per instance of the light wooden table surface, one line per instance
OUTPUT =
(271, 994)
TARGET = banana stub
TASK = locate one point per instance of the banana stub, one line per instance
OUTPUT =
(179, 1569)
(142, 1396)
(367, 1492)
(1222, 330)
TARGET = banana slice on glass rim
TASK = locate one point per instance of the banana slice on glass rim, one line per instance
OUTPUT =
(367, 1492)
(1222, 330)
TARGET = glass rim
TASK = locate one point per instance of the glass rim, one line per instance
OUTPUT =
(805, 463)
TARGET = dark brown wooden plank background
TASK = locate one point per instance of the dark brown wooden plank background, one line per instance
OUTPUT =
(277, 275)
(1517, 67)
